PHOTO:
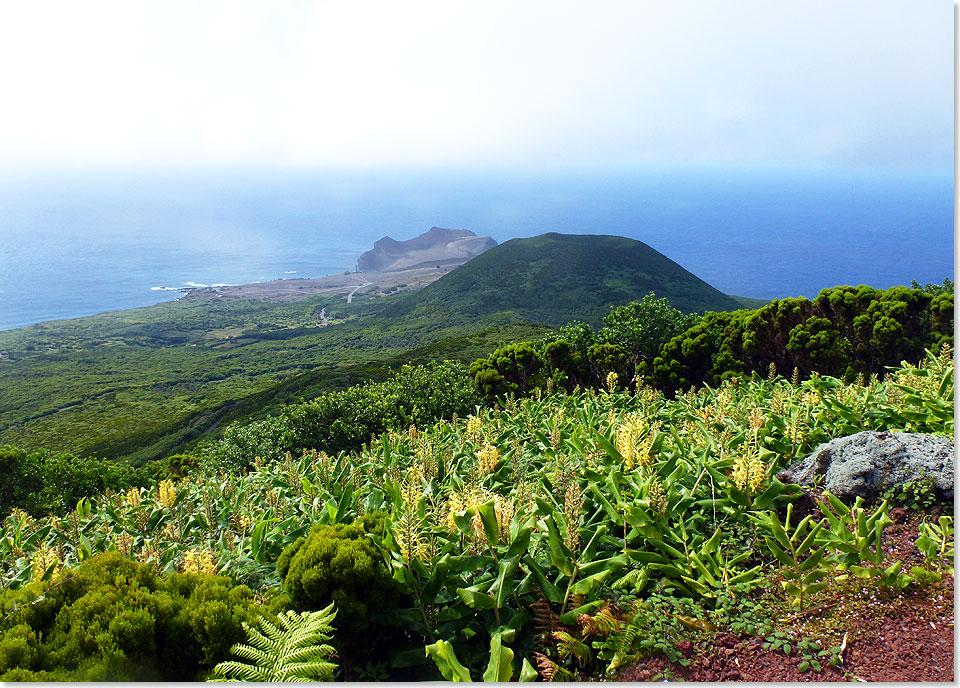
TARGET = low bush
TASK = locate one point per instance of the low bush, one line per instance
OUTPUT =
(342, 421)
(112, 619)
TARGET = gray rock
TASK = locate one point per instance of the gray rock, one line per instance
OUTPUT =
(868, 463)
(434, 247)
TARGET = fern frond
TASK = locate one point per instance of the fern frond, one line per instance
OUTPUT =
(544, 620)
(630, 580)
(605, 622)
(550, 670)
(629, 634)
(290, 647)
(241, 671)
(568, 645)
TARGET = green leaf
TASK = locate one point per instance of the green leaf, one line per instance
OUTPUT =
(778, 532)
(527, 672)
(488, 515)
(441, 652)
(550, 591)
(86, 549)
(560, 556)
(256, 540)
(500, 666)
(464, 521)
(571, 616)
(837, 505)
(609, 448)
(503, 587)
(476, 599)
(780, 555)
(521, 543)
(585, 585)
(811, 561)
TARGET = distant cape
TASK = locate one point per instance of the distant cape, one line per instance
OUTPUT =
(437, 246)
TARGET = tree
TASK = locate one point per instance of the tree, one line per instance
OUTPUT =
(642, 327)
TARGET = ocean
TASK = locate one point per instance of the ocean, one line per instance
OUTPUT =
(72, 247)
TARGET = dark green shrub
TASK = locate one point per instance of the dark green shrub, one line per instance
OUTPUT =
(842, 332)
(43, 482)
(641, 327)
(112, 619)
(340, 564)
(610, 358)
(509, 369)
(344, 420)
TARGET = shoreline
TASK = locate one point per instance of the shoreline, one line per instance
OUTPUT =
(348, 284)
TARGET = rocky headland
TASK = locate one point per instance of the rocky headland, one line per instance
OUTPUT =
(436, 247)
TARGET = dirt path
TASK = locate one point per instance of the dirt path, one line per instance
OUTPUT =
(366, 283)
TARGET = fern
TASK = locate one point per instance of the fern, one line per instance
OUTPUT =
(568, 645)
(550, 670)
(293, 649)
(606, 622)
(629, 634)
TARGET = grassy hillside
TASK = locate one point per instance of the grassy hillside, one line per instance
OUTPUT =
(555, 278)
(143, 383)
(146, 382)
(627, 526)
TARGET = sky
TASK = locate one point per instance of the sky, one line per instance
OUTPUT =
(860, 84)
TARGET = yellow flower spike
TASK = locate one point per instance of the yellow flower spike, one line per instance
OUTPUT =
(612, 381)
(133, 497)
(43, 558)
(488, 458)
(166, 493)
(474, 424)
(125, 544)
(200, 562)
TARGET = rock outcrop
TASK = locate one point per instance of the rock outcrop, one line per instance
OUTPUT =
(436, 247)
(869, 463)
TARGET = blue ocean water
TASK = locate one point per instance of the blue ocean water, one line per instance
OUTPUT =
(70, 248)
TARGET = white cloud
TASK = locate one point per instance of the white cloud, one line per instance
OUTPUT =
(473, 84)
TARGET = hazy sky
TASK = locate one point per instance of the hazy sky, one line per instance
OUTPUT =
(527, 85)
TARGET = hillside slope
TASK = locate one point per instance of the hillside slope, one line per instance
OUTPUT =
(555, 278)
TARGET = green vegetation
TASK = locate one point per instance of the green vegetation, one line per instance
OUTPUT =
(616, 496)
(339, 565)
(292, 649)
(146, 383)
(575, 355)
(843, 332)
(42, 482)
(553, 278)
(112, 619)
(345, 420)
(568, 532)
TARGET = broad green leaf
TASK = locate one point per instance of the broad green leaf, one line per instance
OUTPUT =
(446, 660)
(488, 516)
(500, 666)
(503, 588)
(527, 672)
(476, 599)
(560, 556)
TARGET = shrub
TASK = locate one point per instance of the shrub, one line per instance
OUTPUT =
(44, 482)
(112, 619)
(339, 564)
(842, 332)
(344, 420)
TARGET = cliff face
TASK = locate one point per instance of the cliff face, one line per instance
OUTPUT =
(435, 247)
